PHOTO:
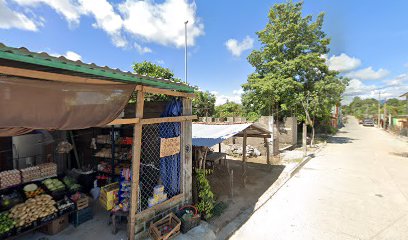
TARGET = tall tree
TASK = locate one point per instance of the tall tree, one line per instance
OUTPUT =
(291, 74)
(229, 109)
(203, 104)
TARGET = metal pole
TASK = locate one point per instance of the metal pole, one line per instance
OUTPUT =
(379, 109)
(185, 51)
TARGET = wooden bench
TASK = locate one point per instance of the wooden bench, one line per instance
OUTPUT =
(217, 156)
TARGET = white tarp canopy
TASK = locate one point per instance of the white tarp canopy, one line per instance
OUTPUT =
(208, 135)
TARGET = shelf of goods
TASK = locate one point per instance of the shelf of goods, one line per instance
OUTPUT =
(12, 178)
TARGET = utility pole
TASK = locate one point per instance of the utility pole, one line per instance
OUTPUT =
(185, 51)
(379, 109)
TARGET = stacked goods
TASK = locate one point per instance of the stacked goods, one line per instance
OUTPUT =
(109, 195)
(33, 209)
(6, 223)
(159, 196)
(32, 190)
(48, 169)
(9, 178)
(54, 184)
(31, 173)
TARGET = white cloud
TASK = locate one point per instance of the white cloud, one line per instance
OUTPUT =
(343, 63)
(236, 48)
(393, 88)
(67, 8)
(12, 19)
(369, 74)
(72, 56)
(161, 62)
(234, 97)
(106, 19)
(162, 23)
(141, 49)
(406, 65)
(157, 22)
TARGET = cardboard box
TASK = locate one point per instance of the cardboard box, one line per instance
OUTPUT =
(56, 226)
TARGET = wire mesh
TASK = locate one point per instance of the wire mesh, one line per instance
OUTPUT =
(156, 170)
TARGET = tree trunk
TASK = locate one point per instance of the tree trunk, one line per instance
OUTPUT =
(313, 135)
(304, 139)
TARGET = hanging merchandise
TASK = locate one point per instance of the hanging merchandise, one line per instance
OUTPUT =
(170, 165)
(124, 190)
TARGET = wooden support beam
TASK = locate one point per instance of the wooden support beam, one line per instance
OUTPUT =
(168, 119)
(244, 167)
(124, 121)
(186, 153)
(160, 206)
(267, 151)
(20, 72)
(254, 135)
(169, 92)
(136, 152)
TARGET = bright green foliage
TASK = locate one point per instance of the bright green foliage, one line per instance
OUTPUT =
(153, 70)
(290, 73)
(229, 109)
(206, 196)
(203, 104)
(368, 108)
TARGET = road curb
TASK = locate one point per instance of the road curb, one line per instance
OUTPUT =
(227, 231)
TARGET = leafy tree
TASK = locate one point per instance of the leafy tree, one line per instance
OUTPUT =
(153, 70)
(203, 103)
(290, 73)
(229, 109)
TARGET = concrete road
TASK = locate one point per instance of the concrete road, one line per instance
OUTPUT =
(356, 188)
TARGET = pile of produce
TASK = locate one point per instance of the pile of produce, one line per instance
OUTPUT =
(32, 209)
(32, 190)
(65, 205)
(31, 173)
(9, 200)
(54, 184)
(48, 169)
(71, 184)
(6, 223)
(9, 178)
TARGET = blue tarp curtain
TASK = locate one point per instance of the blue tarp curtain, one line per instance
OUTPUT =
(170, 165)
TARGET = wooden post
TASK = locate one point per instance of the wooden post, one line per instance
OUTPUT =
(244, 167)
(186, 152)
(136, 152)
(267, 151)
(304, 139)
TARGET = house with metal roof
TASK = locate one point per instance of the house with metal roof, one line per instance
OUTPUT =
(39, 91)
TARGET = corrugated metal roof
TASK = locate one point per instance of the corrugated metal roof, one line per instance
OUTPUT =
(208, 135)
(45, 62)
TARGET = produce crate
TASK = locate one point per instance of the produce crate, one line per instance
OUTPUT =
(189, 222)
(81, 216)
(166, 228)
(8, 234)
(68, 209)
(56, 226)
(47, 218)
(108, 195)
(82, 203)
(25, 228)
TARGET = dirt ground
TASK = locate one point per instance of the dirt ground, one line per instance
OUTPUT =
(259, 178)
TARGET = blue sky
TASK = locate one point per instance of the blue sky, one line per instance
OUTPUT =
(369, 38)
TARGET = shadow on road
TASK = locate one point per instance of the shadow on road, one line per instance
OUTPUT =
(400, 154)
(340, 140)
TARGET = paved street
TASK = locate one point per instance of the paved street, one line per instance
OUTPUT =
(356, 188)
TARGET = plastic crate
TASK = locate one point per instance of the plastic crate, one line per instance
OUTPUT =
(81, 216)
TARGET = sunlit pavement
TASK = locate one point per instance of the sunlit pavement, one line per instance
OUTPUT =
(356, 188)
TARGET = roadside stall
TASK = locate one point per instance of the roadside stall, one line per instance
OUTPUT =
(66, 126)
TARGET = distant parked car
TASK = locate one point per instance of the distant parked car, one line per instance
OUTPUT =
(368, 123)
